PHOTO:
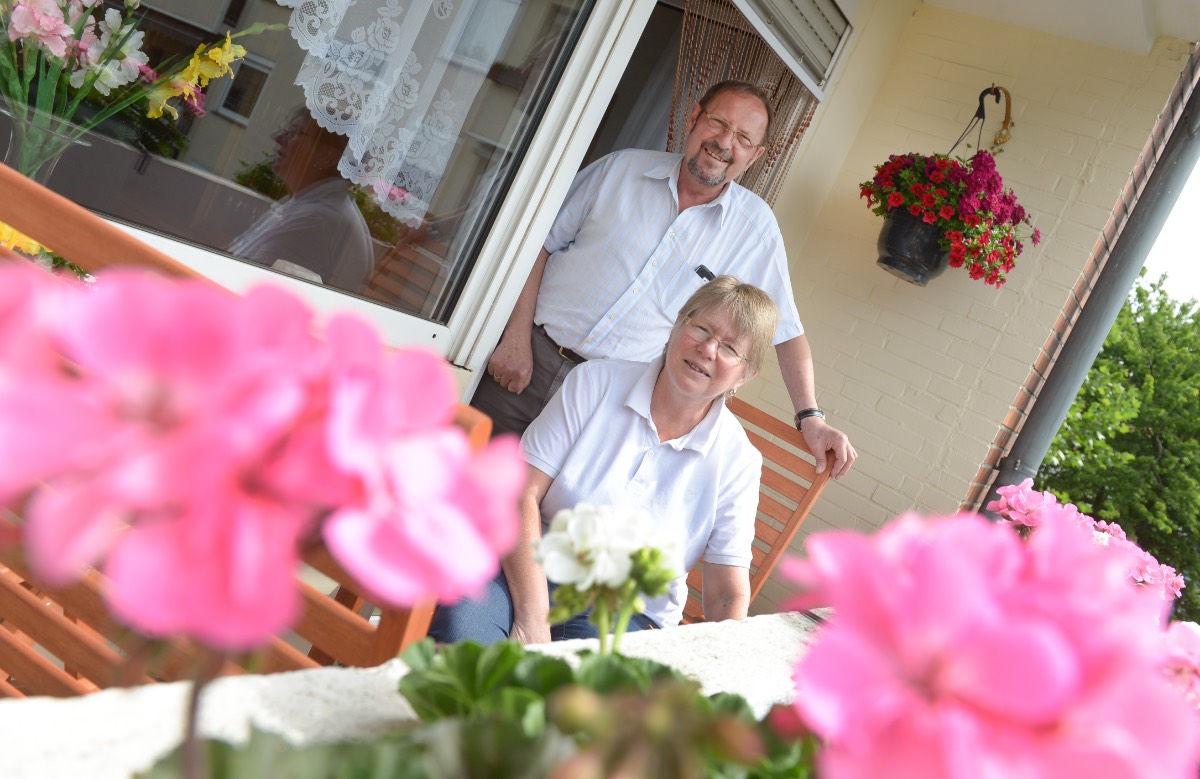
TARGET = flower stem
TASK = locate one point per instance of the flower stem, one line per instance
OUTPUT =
(603, 625)
(194, 762)
(623, 617)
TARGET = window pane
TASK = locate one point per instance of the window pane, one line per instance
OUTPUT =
(242, 95)
(380, 172)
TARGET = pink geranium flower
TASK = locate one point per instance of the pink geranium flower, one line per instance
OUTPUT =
(41, 21)
(31, 381)
(223, 573)
(425, 493)
(956, 650)
(189, 441)
(1182, 665)
(1027, 508)
(1020, 503)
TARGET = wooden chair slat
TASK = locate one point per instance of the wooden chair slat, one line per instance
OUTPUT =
(765, 533)
(281, 656)
(773, 479)
(334, 628)
(78, 647)
(8, 691)
(81, 599)
(34, 672)
(787, 461)
(773, 508)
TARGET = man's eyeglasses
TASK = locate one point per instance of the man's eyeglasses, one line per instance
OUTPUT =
(726, 352)
(720, 125)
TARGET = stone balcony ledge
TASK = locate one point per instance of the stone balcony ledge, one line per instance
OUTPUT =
(112, 733)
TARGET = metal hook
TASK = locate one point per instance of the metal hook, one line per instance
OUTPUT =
(992, 90)
(1003, 135)
(977, 121)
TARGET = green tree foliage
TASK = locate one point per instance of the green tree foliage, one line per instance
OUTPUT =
(1129, 450)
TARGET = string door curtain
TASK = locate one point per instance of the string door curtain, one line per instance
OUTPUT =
(397, 78)
(718, 43)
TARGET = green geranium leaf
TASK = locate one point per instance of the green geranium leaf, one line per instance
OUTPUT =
(608, 673)
(543, 674)
(732, 704)
(495, 666)
(420, 656)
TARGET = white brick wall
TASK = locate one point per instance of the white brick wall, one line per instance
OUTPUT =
(922, 378)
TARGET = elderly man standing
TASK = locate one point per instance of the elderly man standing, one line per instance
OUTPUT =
(639, 232)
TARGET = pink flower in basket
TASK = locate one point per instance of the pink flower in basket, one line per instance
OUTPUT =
(980, 222)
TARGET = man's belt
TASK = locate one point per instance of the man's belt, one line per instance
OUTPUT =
(563, 352)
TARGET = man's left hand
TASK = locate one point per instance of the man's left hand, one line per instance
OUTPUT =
(821, 437)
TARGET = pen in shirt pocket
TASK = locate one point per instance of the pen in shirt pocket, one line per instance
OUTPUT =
(704, 273)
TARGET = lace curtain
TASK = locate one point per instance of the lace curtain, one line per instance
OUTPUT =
(396, 77)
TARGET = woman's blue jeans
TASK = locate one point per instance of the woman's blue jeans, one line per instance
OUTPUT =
(489, 619)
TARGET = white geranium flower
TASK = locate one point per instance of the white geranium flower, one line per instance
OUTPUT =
(591, 545)
(114, 68)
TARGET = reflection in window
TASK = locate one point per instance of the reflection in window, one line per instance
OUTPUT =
(425, 107)
(249, 80)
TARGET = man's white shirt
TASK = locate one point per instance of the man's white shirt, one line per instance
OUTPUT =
(603, 295)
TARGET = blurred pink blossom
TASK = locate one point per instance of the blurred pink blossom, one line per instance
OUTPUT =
(1025, 507)
(425, 492)
(957, 650)
(191, 441)
(79, 17)
(43, 21)
(1182, 665)
(1021, 504)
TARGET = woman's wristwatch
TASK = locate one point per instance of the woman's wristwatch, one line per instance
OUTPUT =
(804, 414)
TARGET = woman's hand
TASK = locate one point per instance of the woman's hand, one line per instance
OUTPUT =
(530, 631)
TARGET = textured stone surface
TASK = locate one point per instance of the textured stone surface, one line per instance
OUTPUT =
(115, 732)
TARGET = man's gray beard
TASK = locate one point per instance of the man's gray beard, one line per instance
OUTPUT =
(693, 166)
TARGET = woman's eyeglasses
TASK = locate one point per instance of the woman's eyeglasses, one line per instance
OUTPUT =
(726, 352)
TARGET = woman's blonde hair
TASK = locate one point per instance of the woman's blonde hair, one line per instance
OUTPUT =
(751, 311)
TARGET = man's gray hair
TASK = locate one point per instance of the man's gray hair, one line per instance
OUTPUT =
(751, 311)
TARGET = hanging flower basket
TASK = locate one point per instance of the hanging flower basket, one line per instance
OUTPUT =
(910, 249)
(978, 223)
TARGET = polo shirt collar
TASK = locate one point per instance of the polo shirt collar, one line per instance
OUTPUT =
(700, 439)
(669, 170)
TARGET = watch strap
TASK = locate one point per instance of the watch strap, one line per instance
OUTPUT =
(805, 413)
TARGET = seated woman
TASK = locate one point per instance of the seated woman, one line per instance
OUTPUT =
(655, 436)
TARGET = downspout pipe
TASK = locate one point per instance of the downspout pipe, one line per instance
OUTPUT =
(1112, 288)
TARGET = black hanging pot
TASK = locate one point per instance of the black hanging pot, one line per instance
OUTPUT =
(908, 248)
